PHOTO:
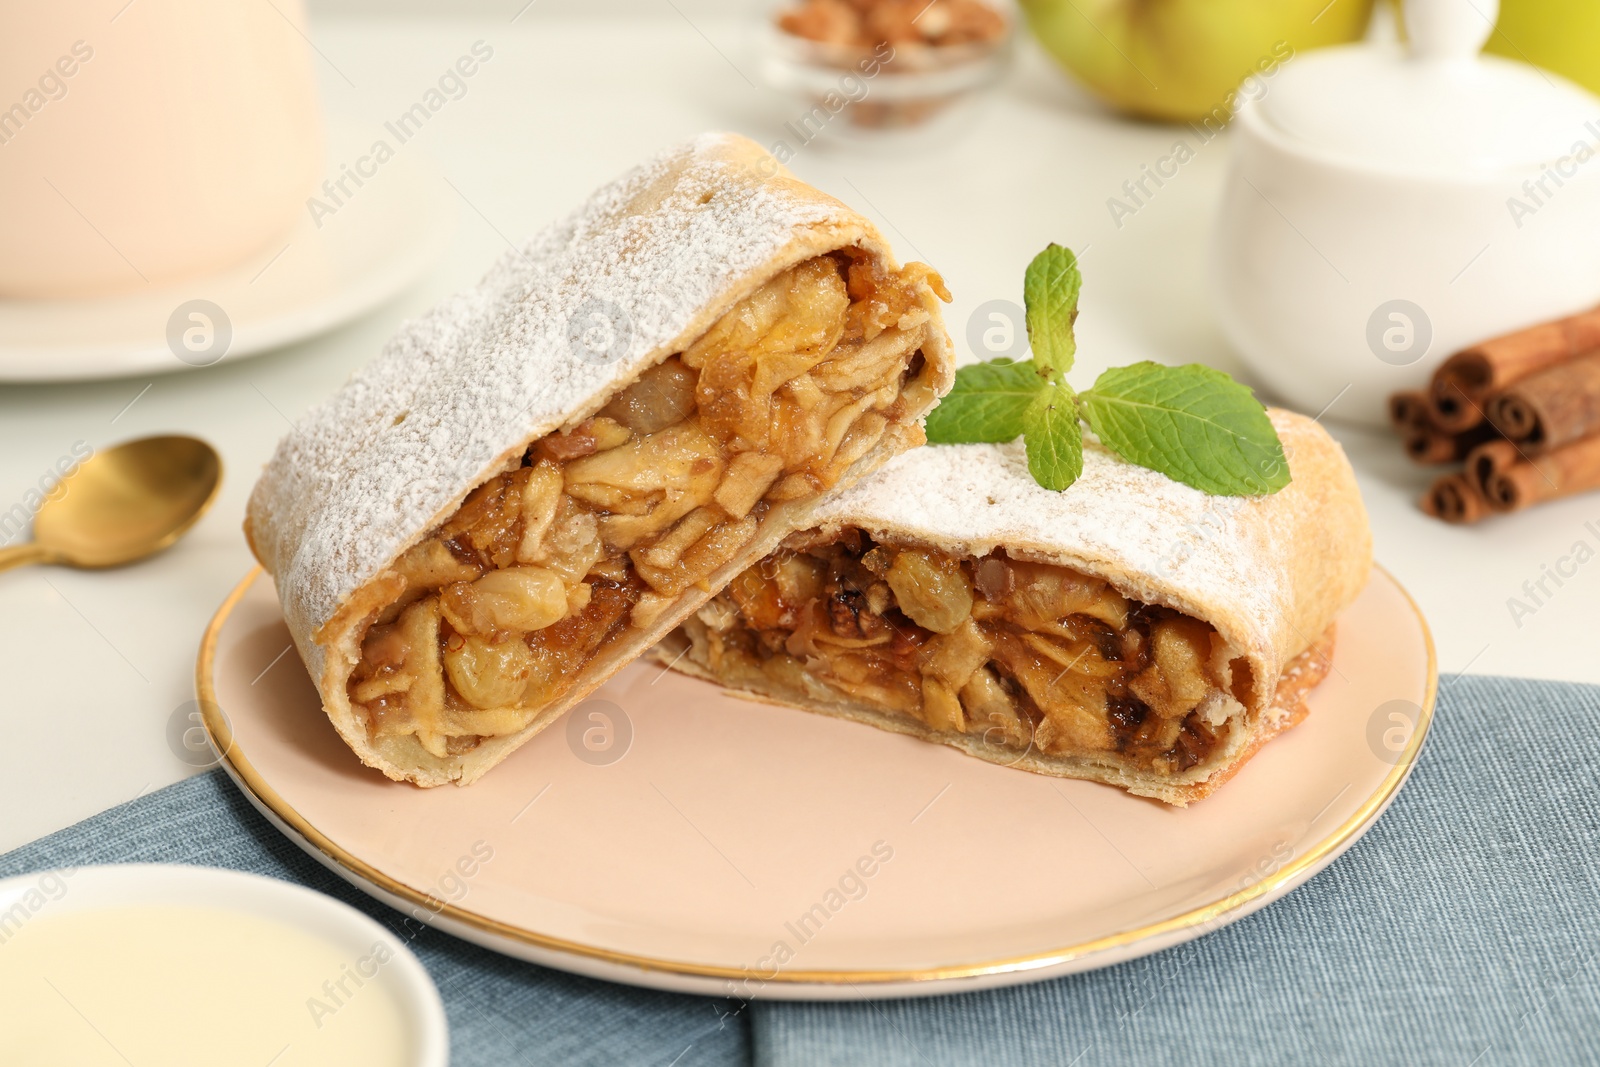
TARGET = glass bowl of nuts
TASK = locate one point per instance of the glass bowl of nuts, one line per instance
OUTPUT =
(884, 64)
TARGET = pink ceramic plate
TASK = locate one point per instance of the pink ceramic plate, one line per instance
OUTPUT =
(666, 835)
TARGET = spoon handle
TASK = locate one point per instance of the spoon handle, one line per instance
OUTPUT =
(22, 555)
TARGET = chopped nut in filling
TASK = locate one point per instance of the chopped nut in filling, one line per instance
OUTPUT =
(609, 522)
(1027, 655)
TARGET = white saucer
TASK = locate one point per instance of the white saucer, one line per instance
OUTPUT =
(666, 834)
(310, 280)
(82, 891)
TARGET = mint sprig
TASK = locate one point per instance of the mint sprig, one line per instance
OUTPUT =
(987, 405)
(1053, 438)
(1194, 424)
(1050, 295)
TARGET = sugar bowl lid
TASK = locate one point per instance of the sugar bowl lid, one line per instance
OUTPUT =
(1436, 106)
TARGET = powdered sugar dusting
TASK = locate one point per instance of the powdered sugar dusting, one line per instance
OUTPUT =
(460, 392)
(1171, 544)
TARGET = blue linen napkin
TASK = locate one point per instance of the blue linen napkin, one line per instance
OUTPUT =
(1463, 929)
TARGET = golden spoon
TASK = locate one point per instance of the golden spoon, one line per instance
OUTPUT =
(123, 504)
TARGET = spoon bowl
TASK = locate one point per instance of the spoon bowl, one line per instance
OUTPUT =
(124, 504)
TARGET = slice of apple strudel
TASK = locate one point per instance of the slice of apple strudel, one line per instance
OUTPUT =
(1130, 630)
(536, 481)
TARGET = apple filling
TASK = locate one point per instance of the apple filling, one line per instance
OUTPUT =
(1027, 655)
(608, 522)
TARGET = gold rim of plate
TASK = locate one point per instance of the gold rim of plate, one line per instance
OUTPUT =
(245, 773)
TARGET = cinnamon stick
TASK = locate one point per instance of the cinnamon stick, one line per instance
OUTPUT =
(1424, 442)
(1431, 445)
(1466, 380)
(1454, 499)
(1488, 460)
(1408, 411)
(1551, 407)
(1560, 472)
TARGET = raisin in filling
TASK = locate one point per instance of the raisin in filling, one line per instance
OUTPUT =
(1025, 655)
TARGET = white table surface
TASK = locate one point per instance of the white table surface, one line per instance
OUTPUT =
(96, 664)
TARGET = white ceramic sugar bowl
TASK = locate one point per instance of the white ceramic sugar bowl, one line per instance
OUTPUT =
(1388, 206)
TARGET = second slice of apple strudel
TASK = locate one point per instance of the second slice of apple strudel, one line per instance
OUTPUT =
(1130, 630)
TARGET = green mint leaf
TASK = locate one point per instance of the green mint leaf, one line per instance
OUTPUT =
(1050, 293)
(1193, 424)
(987, 404)
(1053, 438)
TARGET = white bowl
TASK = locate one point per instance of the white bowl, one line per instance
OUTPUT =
(1331, 278)
(27, 898)
(1376, 217)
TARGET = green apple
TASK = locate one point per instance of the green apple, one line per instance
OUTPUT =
(1181, 60)
(1559, 35)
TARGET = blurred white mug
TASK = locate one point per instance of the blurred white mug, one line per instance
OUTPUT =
(149, 141)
